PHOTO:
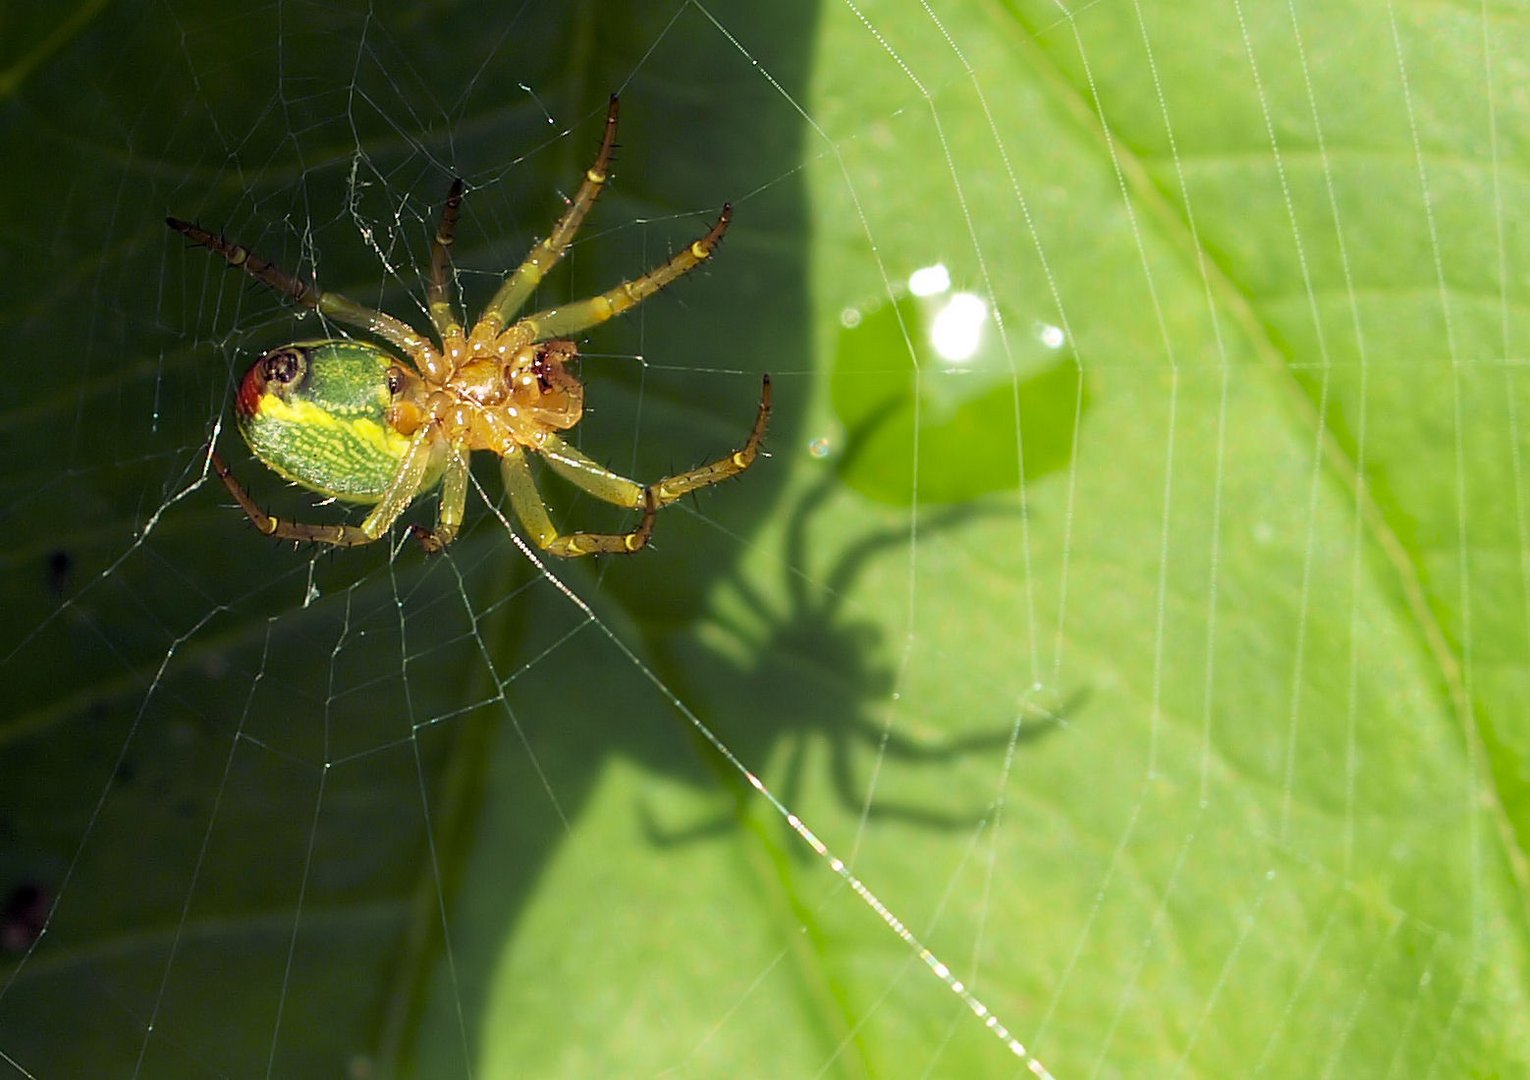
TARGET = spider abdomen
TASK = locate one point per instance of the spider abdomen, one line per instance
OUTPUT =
(316, 412)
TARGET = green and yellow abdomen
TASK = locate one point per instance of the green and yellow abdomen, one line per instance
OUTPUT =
(316, 412)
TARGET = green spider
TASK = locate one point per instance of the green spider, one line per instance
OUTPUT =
(351, 421)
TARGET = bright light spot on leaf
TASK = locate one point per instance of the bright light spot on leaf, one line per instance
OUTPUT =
(929, 280)
(957, 330)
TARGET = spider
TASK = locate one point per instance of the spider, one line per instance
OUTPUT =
(350, 420)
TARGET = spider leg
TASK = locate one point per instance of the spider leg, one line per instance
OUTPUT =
(532, 511)
(453, 503)
(339, 535)
(569, 319)
(406, 483)
(591, 476)
(401, 492)
(673, 487)
(524, 280)
(602, 483)
(440, 265)
(333, 305)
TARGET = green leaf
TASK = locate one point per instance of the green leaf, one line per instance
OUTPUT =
(1161, 662)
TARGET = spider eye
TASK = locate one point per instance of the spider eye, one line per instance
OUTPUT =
(282, 365)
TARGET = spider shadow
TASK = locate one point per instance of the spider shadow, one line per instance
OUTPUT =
(822, 673)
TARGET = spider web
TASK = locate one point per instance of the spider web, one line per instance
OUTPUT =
(1137, 598)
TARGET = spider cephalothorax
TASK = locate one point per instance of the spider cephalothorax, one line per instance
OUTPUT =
(350, 420)
(496, 401)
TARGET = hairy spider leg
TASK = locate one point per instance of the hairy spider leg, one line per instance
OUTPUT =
(401, 492)
(532, 511)
(611, 487)
(562, 322)
(522, 282)
(453, 505)
(333, 305)
(436, 298)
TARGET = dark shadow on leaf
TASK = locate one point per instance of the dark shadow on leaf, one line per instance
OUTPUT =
(821, 674)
